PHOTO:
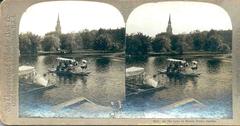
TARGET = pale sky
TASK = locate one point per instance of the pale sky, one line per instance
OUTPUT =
(74, 16)
(149, 19)
(152, 18)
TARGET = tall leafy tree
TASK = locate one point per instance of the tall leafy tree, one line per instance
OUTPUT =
(177, 42)
(67, 42)
(29, 43)
(50, 43)
(197, 41)
(161, 43)
(88, 38)
(103, 42)
(79, 41)
(137, 44)
(213, 43)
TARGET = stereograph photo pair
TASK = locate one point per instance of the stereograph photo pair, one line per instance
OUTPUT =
(126, 62)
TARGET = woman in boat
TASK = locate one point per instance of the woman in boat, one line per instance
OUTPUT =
(84, 65)
(195, 65)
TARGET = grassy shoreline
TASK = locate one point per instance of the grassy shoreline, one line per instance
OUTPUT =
(193, 54)
(203, 53)
(122, 54)
(83, 53)
(75, 52)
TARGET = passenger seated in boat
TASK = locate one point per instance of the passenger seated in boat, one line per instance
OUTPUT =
(169, 68)
(75, 63)
(181, 68)
(84, 65)
(194, 65)
(186, 64)
(176, 68)
(58, 68)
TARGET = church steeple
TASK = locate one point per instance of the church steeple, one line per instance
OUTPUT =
(169, 28)
(169, 20)
(58, 26)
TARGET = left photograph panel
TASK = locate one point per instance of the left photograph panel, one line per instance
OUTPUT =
(71, 61)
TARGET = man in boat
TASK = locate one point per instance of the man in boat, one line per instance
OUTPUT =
(179, 67)
(176, 67)
(170, 68)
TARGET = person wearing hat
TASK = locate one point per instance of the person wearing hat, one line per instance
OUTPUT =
(195, 65)
(84, 65)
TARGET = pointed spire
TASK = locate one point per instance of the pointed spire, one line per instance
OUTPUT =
(58, 26)
(169, 20)
(169, 27)
(58, 20)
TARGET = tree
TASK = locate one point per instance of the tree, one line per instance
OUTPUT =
(211, 33)
(161, 43)
(102, 42)
(224, 48)
(227, 36)
(197, 41)
(29, 43)
(137, 44)
(177, 44)
(68, 42)
(79, 41)
(213, 43)
(188, 42)
(50, 43)
(88, 38)
(118, 36)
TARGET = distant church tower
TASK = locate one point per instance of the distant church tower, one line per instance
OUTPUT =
(169, 27)
(58, 26)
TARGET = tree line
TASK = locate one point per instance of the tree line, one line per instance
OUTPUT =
(211, 41)
(136, 44)
(102, 39)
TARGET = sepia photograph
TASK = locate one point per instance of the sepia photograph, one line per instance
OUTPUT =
(126, 62)
(71, 61)
(179, 61)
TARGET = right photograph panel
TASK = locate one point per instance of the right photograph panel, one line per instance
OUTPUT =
(179, 61)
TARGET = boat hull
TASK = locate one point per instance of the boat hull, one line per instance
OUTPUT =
(69, 73)
(179, 74)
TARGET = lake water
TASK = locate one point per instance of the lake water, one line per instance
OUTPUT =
(212, 89)
(105, 84)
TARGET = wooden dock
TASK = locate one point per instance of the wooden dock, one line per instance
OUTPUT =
(182, 103)
(83, 104)
(33, 88)
(71, 102)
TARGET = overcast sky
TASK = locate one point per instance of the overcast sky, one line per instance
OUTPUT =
(149, 18)
(74, 16)
(153, 18)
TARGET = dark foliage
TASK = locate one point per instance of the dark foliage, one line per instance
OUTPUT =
(212, 41)
(137, 44)
(102, 39)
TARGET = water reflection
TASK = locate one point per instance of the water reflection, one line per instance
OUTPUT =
(99, 88)
(105, 84)
(103, 64)
(212, 88)
(49, 60)
(139, 60)
(71, 79)
(158, 61)
(213, 65)
(27, 60)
